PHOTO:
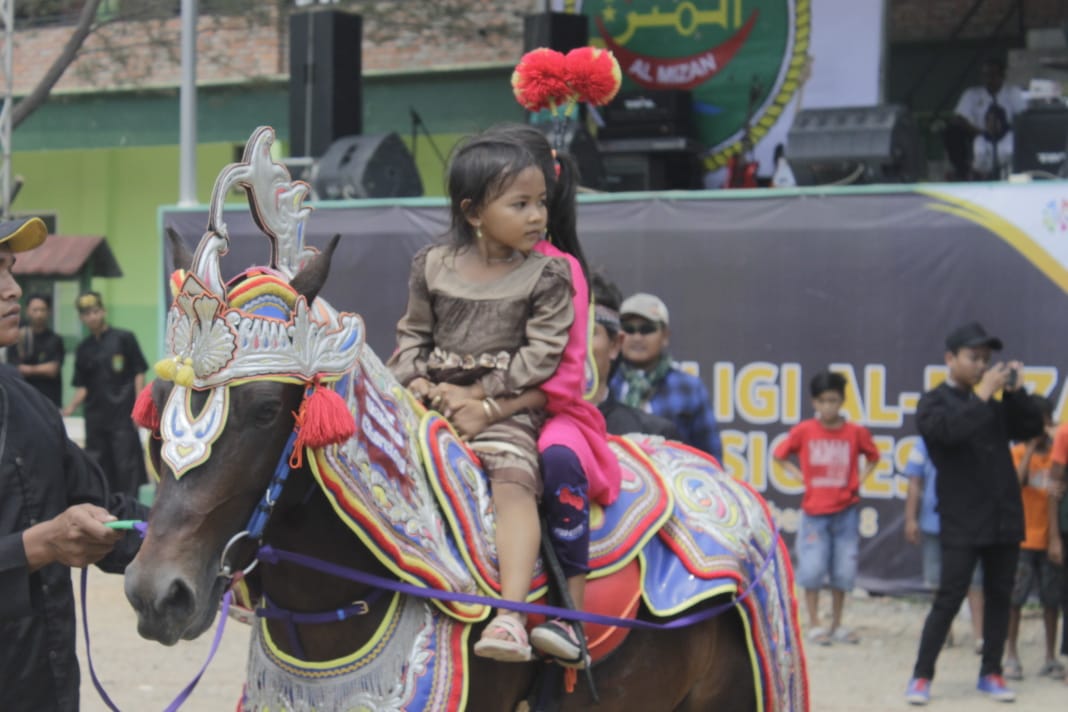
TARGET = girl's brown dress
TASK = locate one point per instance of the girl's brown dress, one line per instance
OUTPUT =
(507, 334)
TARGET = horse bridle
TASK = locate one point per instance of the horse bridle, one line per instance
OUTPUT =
(253, 531)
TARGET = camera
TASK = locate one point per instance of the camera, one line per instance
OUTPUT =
(1012, 378)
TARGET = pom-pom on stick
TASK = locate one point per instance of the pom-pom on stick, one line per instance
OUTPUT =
(540, 80)
(593, 75)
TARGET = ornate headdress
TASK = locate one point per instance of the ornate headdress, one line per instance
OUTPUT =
(256, 326)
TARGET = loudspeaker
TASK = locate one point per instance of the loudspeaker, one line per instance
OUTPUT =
(561, 31)
(646, 113)
(374, 166)
(670, 163)
(865, 144)
(573, 138)
(325, 98)
(1040, 138)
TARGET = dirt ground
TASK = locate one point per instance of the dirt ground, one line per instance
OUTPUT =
(140, 675)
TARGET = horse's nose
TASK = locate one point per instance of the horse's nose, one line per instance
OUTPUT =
(164, 605)
(177, 600)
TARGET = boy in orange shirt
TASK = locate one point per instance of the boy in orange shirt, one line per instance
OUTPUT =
(1058, 519)
(828, 448)
(1033, 460)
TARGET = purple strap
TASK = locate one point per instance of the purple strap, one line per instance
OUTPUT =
(359, 608)
(188, 690)
(270, 555)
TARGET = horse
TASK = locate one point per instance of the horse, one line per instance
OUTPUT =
(248, 359)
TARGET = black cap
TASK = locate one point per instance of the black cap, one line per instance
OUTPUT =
(971, 334)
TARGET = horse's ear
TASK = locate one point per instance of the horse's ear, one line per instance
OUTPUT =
(312, 278)
(183, 258)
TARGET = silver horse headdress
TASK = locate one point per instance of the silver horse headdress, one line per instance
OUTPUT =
(256, 325)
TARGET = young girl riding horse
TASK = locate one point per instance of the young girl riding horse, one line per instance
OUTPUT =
(488, 318)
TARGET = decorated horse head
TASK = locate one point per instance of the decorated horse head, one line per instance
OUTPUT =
(293, 465)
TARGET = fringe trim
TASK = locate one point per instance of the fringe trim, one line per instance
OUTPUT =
(383, 679)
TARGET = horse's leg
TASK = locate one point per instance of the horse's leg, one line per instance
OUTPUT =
(729, 681)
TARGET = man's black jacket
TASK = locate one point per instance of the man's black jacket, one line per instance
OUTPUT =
(41, 474)
(968, 440)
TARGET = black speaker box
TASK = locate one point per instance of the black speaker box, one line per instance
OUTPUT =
(865, 144)
(374, 166)
(556, 30)
(1040, 139)
(669, 163)
(325, 97)
(648, 113)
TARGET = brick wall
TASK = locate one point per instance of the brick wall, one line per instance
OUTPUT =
(423, 36)
(125, 54)
(925, 20)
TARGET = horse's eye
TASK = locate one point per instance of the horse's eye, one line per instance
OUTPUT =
(267, 413)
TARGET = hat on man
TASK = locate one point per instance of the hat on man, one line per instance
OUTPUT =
(89, 300)
(970, 335)
(23, 234)
(646, 306)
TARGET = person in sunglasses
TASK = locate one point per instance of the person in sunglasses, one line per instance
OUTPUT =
(606, 346)
(649, 379)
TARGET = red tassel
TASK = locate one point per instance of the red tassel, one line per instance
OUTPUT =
(324, 419)
(145, 413)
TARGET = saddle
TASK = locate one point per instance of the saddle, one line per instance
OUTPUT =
(681, 532)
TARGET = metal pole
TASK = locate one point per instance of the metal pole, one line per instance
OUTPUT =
(187, 141)
(7, 19)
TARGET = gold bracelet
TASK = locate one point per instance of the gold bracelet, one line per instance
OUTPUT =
(495, 406)
(486, 409)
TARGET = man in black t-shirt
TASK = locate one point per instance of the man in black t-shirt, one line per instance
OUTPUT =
(38, 353)
(109, 372)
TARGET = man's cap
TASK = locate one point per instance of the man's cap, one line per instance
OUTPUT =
(646, 306)
(970, 335)
(23, 234)
(88, 301)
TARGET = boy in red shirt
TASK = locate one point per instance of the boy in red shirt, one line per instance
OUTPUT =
(828, 448)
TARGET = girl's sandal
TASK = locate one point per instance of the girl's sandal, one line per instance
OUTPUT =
(504, 640)
(558, 639)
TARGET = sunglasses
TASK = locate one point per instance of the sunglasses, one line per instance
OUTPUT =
(643, 329)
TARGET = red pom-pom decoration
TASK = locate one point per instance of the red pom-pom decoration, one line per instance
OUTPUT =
(593, 74)
(145, 413)
(324, 419)
(540, 80)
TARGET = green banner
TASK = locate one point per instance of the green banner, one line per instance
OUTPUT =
(742, 60)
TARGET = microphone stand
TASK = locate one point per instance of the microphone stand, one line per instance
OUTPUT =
(418, 123)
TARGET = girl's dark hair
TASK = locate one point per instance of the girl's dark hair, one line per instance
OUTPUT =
(481, 168)
(563, 216)
(827, 381)
(605, 292)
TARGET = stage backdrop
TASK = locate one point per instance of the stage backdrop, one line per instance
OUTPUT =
(765, 289)
(791, 53)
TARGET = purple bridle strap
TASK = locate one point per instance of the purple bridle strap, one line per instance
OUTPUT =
(270, 555)
(188, 689)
